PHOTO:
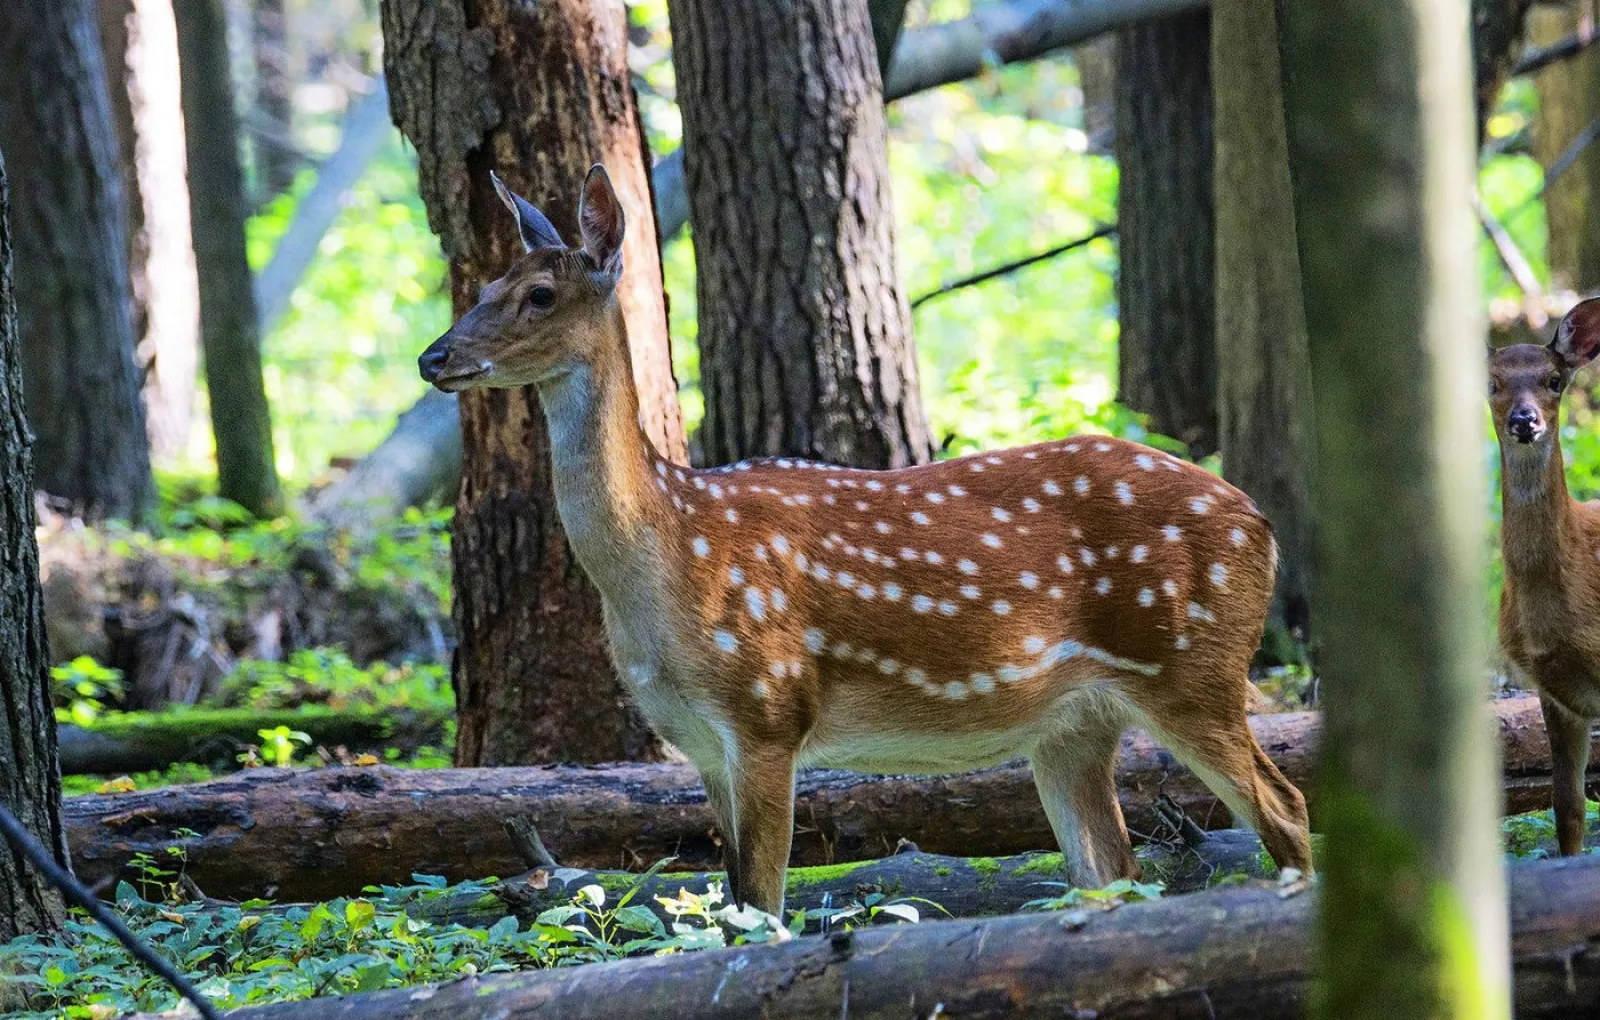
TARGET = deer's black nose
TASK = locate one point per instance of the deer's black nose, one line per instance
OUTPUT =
(431, 362)
(1523, 422)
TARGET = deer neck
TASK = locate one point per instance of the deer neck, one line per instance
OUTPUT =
(1536, 510)
(604, 466)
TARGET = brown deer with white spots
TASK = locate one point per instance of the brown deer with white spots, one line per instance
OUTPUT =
(775, 613)
(1550, 544)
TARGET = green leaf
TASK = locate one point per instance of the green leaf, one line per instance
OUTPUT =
(312, 926)
(359, 914)
(503, 928)
(372, 977)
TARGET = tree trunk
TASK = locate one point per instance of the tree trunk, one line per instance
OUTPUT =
(141, 46)
(1264, 409)
(30, 782)
(805, 334)
(538, 93)
(1569, 103)
(1232, 952)
(275, 157)
(240, 420)
(1165, 227)
(69, 215)
(329, 832)
(1498, 31)
(1381, 136)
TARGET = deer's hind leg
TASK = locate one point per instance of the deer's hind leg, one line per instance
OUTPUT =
(1074, 769)
(1569, 759)
(1219, 747)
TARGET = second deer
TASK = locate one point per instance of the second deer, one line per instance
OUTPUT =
(774, 613)
(1550, 543)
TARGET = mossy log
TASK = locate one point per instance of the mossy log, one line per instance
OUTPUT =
(317, 834)
(961, 886)
(1232, 952)
(137, 742)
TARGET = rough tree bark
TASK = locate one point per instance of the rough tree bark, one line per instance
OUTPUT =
(538, 93)
(1264, 409)
(1165, 227)
(1381, 137)
(30, 782)
(69, 217)
(240, 419)
(329, 832)
(140, 41)
(1569, 102)
(805, 334)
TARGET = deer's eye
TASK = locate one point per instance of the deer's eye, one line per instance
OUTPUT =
(1554, 382)
(541, 297)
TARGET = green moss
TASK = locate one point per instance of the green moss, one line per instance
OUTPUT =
(942, 870)
(988, 870)
(801, 878)
(1041, 863)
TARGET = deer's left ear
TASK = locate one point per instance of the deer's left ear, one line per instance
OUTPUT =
(601, 220)
(1577, 339)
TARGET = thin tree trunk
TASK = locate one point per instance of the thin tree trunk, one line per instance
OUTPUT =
(1264, 407)
(537, 93)
(1165, 220)
(1569, 103)
(69, 214)
(1381, 137)
(141, 45)
(275, 162)
(30, 782)
(240, 420)
(805, 334)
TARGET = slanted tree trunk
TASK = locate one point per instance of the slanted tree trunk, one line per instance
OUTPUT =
(30, 781)
(141, 46)
(1381, 136)
(537, 92)
(69, 215)
(275, 156)
(1569, 103)
(240, 420)
(1165, 227)
(1264, 408)
(805, 334)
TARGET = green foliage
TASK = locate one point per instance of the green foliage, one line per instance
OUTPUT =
(1123, 890)
(278, 745)
(1533, 835)
(81, 688)
(327, 676)
(173, 775)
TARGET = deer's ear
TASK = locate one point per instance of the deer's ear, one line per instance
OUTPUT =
(535, 228)
(601, 220)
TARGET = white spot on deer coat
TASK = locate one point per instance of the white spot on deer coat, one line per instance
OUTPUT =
(892, 591)
(966, 566)
(701, 547)
(1001, 608)
(991, 540)
(1050, 488)
(1028, 579)
(1138, 554)
(1172, 532)
(1124, 493)
(1103, 586)
(918, 517)
(814, 640)
(1219, 575)
(921, 603)
(725, 641)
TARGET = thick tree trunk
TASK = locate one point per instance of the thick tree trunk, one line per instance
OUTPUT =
(30, 783)
(240, 420)
(1569, 102)
(329, 832)
(141, 46)
(1238, 953)
(1381, 137)
(275, 157)
(69, 215)
(538, 93)
(805, 334)
(1165, 228)
(1498, 31)
(215, 737)
(1264, 410)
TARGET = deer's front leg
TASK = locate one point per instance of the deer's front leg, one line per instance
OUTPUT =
(1569, 760)
(762, 781)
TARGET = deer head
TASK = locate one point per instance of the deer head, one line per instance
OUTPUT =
(540, 319)
(1526, 381)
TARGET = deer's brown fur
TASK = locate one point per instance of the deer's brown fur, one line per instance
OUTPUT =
(1550, 542)
(775, 613)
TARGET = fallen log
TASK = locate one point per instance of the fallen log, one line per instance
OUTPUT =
(117, 744)
(322, 833)
(1235, 952)
(958, 886)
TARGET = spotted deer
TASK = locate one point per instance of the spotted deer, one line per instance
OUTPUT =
(1550, 544)
(776, 613)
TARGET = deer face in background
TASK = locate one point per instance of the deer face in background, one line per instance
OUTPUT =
(1526, 381)
(538, 321)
